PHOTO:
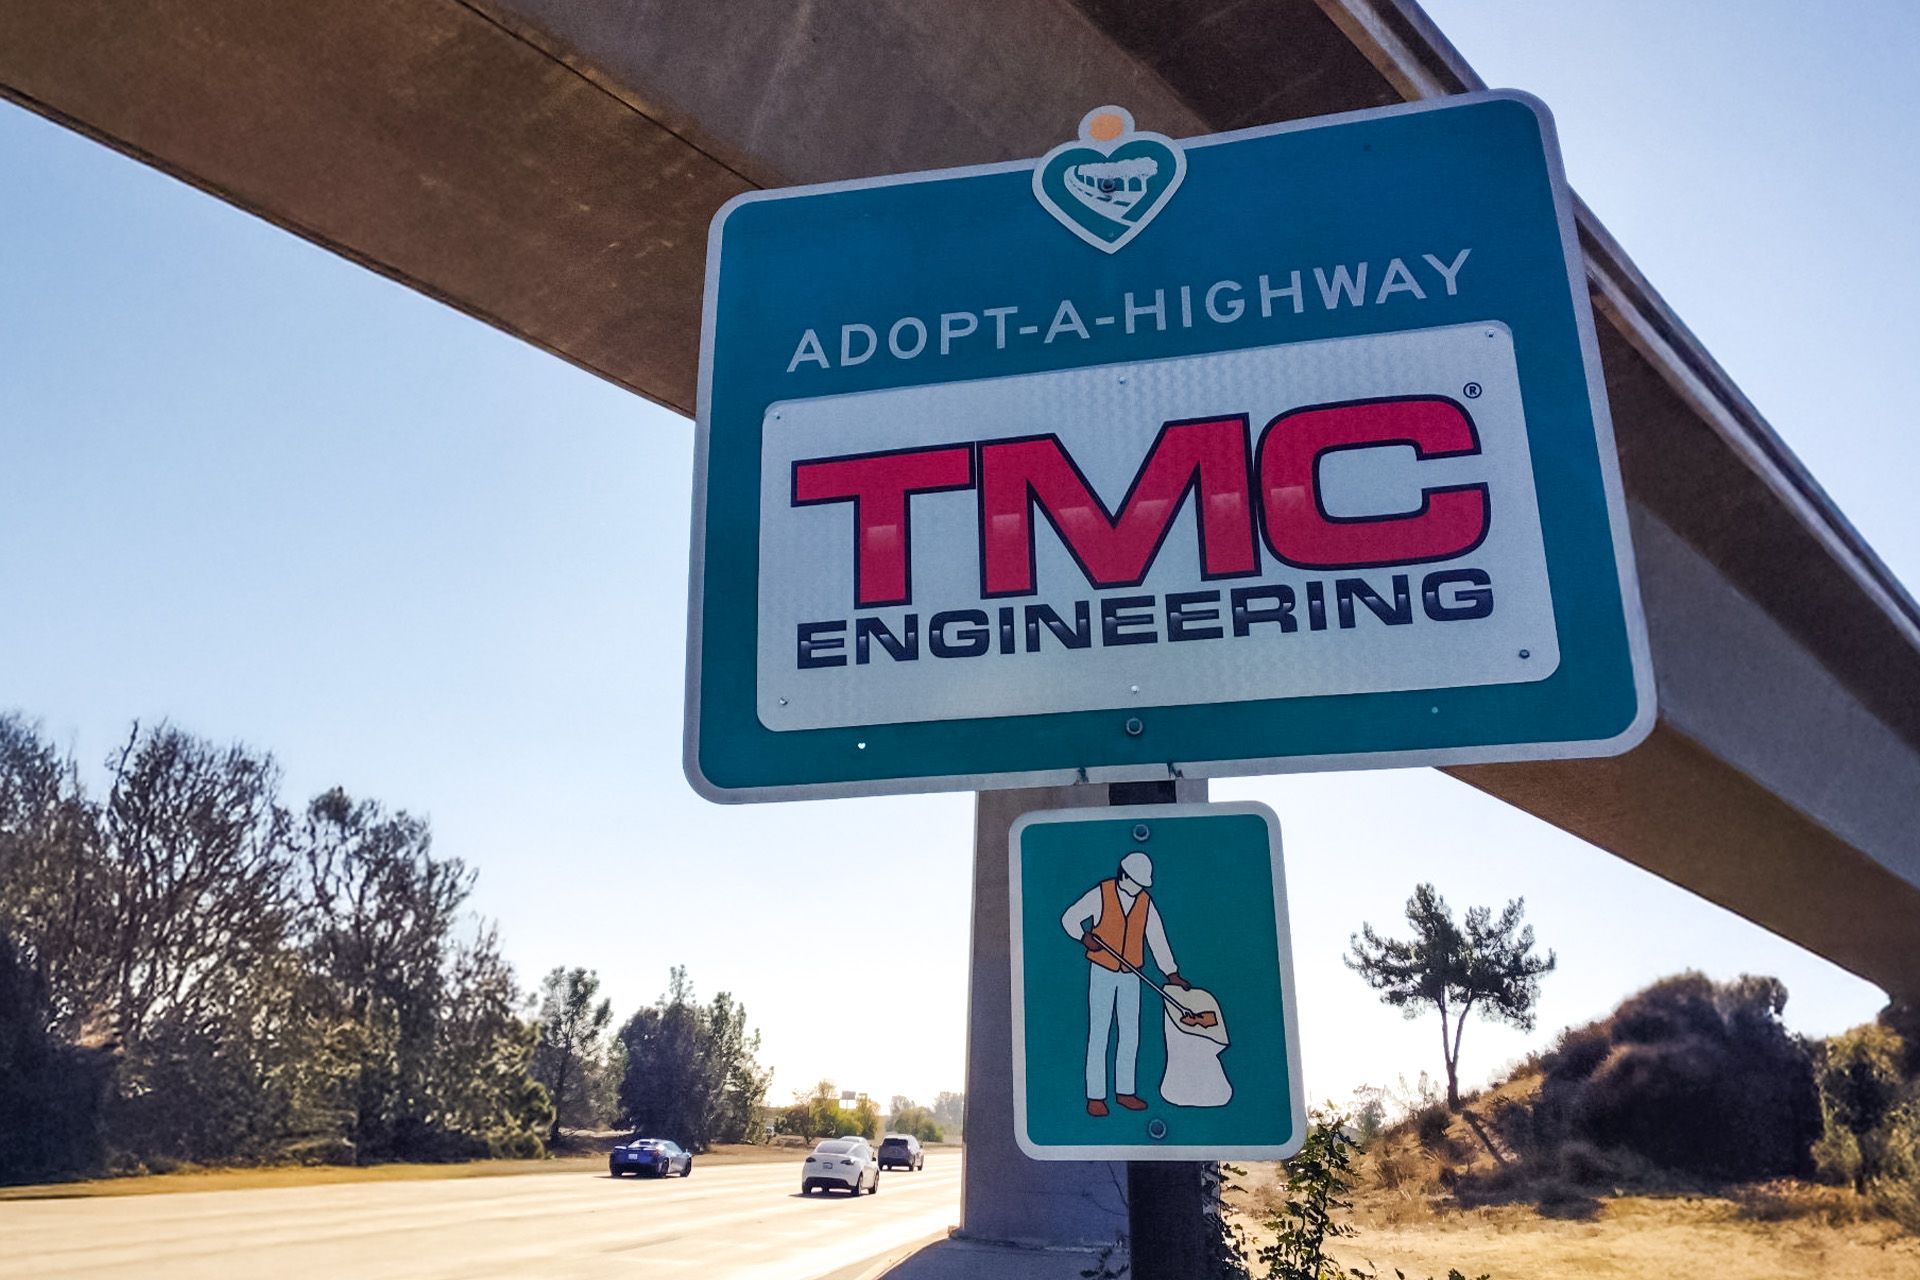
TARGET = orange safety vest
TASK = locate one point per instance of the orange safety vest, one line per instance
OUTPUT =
(1124, 932)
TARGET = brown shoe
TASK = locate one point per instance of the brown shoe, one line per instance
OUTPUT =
(1130, 1102)
(1096, 1107)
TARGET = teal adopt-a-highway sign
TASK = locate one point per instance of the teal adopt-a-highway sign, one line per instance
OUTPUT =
(1153, 1010)
(1279, 449)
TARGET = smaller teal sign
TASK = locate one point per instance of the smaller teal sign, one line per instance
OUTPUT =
(1153, 1006)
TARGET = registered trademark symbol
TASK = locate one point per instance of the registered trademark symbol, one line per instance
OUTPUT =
(1472, 390)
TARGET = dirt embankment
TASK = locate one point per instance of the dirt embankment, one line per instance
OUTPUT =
(1443, 1191)
(1629, 1236)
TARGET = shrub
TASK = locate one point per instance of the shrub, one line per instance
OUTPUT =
(1396, 1169)
(1519, 1126)
(1578, 1053)
(1701, 1078)
(1369, 1116)
(1585, 1165)
(1869, 1125)
(515, 1144)
(1897, 1200)
(429, 1145)
(1307, 1214)
(1688, 1076)
(321, 1150)
(1836, 1156)
(1430, 1125)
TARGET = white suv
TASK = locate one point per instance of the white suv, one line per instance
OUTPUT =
(841, 1164)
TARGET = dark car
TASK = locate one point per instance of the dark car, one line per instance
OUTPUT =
(901, 1151)
(656, 1156)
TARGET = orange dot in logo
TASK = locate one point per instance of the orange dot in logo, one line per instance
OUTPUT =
(1106, 126)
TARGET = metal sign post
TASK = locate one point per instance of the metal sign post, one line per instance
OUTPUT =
(1169, 1209)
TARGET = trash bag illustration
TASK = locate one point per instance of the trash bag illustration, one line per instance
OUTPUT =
(1195, 1040)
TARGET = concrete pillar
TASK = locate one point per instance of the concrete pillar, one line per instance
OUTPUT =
(1035, 1219)
(1005, 1197)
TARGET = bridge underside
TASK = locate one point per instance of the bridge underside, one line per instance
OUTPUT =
(550, 167)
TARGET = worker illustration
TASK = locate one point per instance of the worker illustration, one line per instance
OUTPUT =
(1119, 925)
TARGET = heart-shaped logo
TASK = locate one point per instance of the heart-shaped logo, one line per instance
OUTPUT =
(1106, 187)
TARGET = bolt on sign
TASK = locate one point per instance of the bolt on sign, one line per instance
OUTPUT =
(1153, 1009)
(1274, 450)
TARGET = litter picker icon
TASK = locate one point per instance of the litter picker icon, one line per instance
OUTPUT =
(1096, 1076)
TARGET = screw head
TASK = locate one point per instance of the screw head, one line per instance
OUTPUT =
(1526, 653)
(1141, 833)
(1157, 1130)
(1135, 726)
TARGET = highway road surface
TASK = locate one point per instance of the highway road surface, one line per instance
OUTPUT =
(741, 1222)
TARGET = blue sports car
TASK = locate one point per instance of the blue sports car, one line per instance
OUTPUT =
(656, 1156)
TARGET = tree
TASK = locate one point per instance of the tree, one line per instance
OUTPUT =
(50, 1092)
(380, 914)
(824, 1117)
(48, 876)
(198, 974)
(436, 1055)
(186, 915)
(159, 925)
(733, 1056)
(193, 884)
(691, 1070)
(950, 1110)
(1369, 1117)
(863, 1118)
(1861, 1097)
(817, 1113)
(1489, 966)
(914, 1119)
(572, 1029)
(795, 1119)
(480, 1094)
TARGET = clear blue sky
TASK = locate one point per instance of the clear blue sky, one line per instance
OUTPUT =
(250, 487)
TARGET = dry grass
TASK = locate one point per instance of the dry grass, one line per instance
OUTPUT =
(1776, 1231)
(573, 1160)
(1632, 1236)
(1459, 1196)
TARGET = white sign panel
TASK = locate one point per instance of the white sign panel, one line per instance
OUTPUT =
(1166, 532)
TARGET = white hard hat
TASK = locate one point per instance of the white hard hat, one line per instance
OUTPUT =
(1139, 868)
